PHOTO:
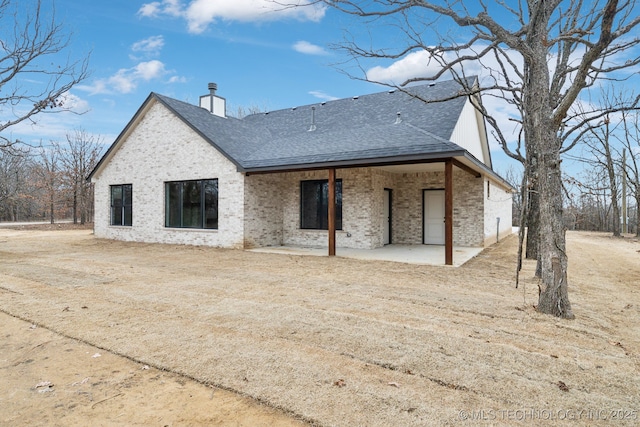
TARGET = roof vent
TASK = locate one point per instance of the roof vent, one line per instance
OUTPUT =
(323, 102)
(398, 118)
(432, 84)
(355, 97)
(313, 119)
(392, 91)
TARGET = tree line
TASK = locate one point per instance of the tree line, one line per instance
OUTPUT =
(48, 182)
(602, 186)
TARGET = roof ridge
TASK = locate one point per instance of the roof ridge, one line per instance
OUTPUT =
(391, 90)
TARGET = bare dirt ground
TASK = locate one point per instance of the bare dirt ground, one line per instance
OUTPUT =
(312, 339)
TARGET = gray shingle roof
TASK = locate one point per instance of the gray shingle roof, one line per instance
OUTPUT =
(357, 130)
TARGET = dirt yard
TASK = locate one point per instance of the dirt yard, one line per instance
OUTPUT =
(138, 334)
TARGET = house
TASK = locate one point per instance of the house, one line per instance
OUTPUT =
(401, 171)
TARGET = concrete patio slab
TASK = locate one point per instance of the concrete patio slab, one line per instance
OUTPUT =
(410, 254)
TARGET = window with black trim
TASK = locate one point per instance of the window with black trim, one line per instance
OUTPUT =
(191, 204)
(121, 204)
(314, 204)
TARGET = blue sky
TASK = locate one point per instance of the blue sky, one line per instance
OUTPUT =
(258, 53)
(258, 57)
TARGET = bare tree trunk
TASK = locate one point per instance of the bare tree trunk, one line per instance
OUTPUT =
(52, 207)
(614, 191)
(533, 215)
(543, 143)
(533, 222)
(533, 225)
(83, 202)
(75, 203)
(554, 290)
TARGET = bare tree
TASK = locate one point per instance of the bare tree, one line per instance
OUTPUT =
(514, 177)
(47, 171)
(599, 144)
(14, 187)
(630, 139)
(31, 43)
(544, 54)
(241, 111)
(591, 200)
(78, 157)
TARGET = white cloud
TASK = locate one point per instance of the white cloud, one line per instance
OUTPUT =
(74, 103)
(149, 70)
(126, 80)
(322, 95)
(157, 8)
(414, 64)
(309, 48)
(149, 47)
(177, 79)
(200, 13)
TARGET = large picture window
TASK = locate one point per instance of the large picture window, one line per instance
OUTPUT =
(314, 204)
(191, 204)
(121, 204)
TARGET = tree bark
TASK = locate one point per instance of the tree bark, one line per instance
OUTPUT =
(51, 208)
(612, 182)
(75, 204)
(533, 225)
(543, 146)
(554, 289)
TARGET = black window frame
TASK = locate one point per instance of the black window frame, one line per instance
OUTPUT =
(200, 211)
(121, 213)
(314, 216)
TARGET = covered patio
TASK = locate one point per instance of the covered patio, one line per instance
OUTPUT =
(410, 254)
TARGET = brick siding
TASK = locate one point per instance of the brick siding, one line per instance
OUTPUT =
(162, 148)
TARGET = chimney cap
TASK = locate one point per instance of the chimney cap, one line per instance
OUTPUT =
(213, 86)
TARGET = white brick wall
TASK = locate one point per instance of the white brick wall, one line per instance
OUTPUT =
(263, 206)
(497, 204)
(162, 148)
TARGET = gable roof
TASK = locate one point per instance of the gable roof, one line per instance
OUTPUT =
(391, 127)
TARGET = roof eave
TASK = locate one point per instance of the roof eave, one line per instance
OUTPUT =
(461, 155)
(351, 163)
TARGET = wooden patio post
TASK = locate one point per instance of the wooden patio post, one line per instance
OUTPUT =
(448, 212)
(332, 212)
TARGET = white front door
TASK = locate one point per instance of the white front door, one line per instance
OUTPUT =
(433, 217)
(386, 217)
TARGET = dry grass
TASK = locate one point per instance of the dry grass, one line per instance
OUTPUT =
(346, 342)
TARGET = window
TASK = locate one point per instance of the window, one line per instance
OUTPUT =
(121, 204)
(314, 204)
(191, 204)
